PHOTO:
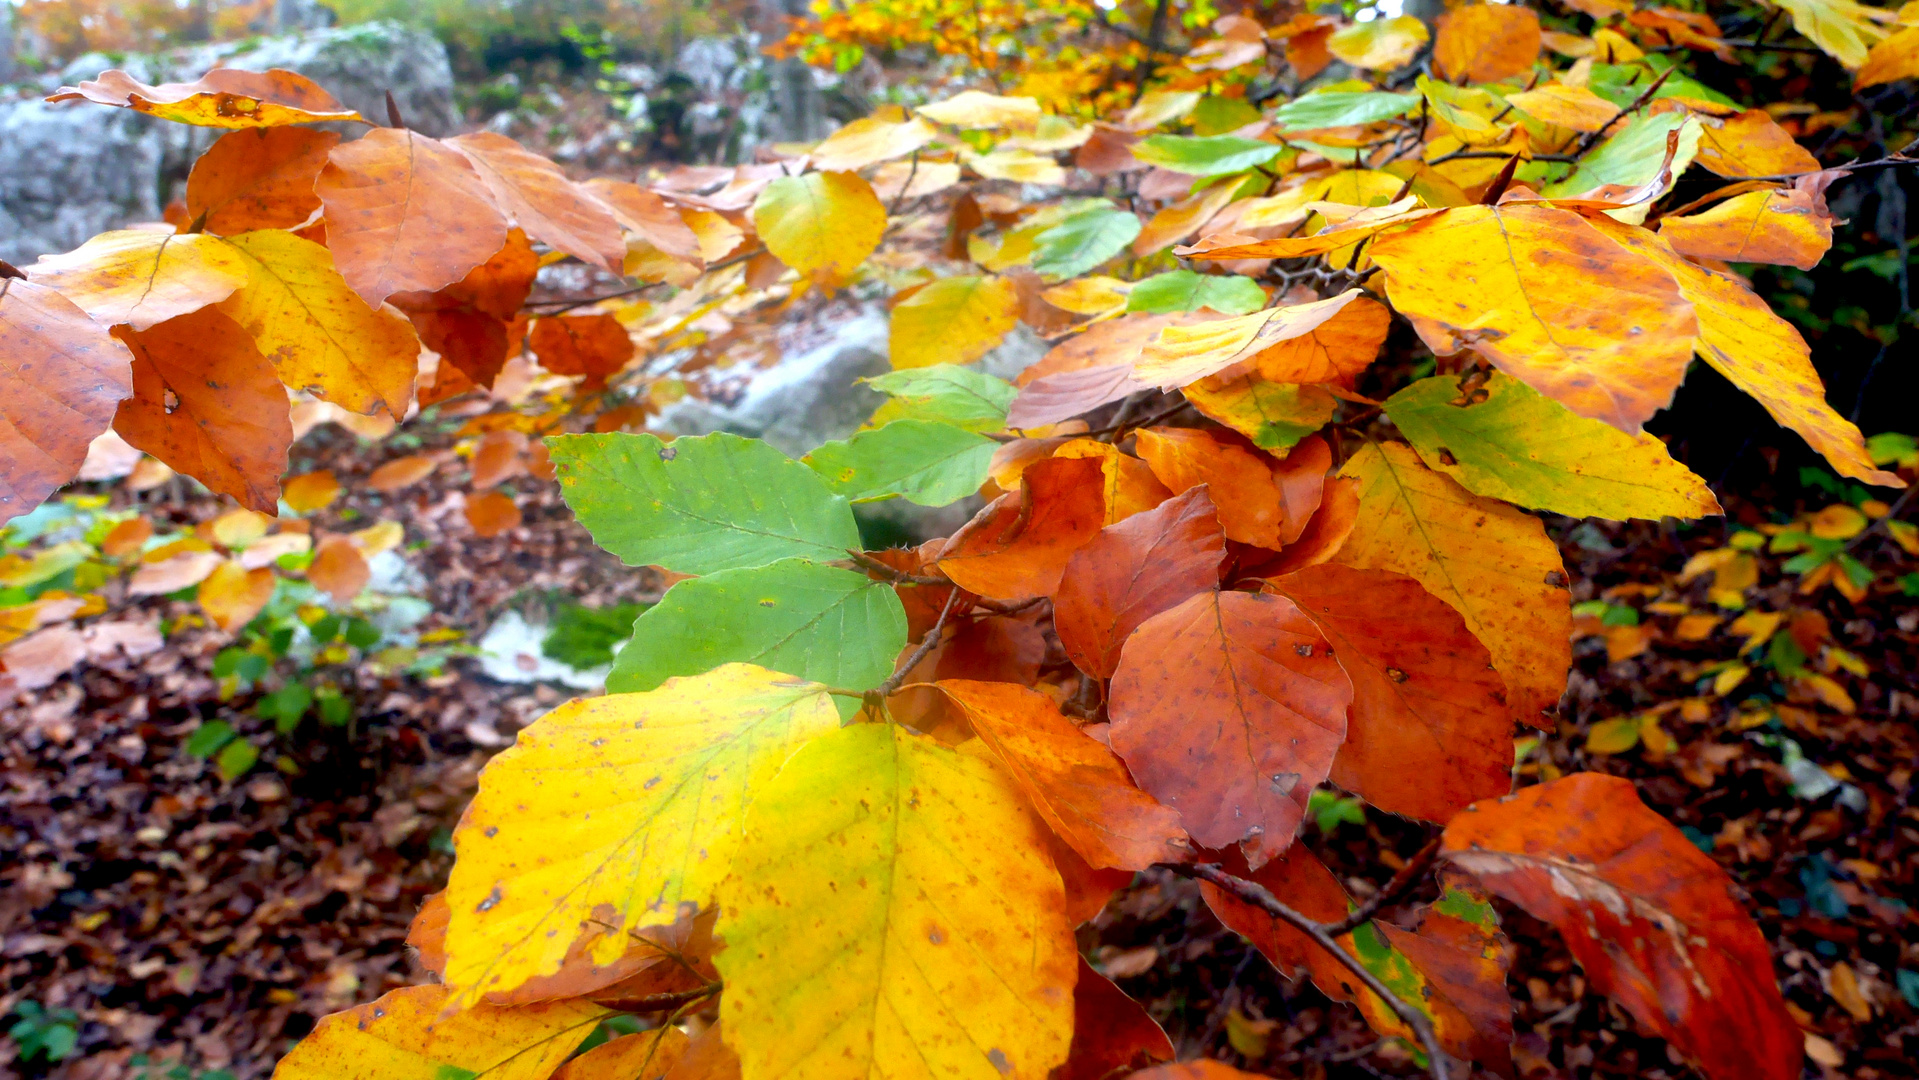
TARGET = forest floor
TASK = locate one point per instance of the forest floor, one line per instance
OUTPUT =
(186, 919)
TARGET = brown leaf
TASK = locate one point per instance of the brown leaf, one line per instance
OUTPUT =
(426, 934)
(471, 323)
(223, 97)
(1128, 483)
(1482, 43)
(405, 213)
(1649, 917)
(1241, 481)
(1149, 563)
(1066, 394)
(661, 959)
(338, 569)
(1017, 548)
(1428, 732)
(172, 574)
(1230, 708)
(1300, 881)
(541, 200)
(650, 220)
(498, 457)
(401, 473)
(40, 658)
(591, 345)
(207, 404)
(492, 513)
(1301, 479)
(1462, 967)
(260, 178)
(1112, 1033)
(1075, 784)
(61, 379)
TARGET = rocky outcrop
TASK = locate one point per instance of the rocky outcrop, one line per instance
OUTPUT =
(72, 170)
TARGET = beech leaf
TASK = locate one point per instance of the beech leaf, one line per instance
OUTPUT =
(222, 98)
(140, 278)
(62, 377)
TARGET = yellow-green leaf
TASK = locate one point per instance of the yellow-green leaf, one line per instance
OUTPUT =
(612, 812)
(822, 224)
(893, 912)
(1510, 442)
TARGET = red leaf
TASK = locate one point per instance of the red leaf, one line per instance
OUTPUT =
(1132, 571)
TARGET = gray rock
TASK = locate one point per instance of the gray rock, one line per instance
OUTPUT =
(72, 170)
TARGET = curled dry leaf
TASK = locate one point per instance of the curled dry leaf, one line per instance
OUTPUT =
(1230, 708)
(1649, 916)
(61, 379)
(222, 98)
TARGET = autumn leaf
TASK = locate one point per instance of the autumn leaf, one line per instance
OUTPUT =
(1751, 143)
(1483, 43)
(539, 198)
(208, 404)
(61, 379)
(1648, 916)
(658, 786)
(400, 473)
(953, 320)
(1185, 354)
(338, 569)
(474, 324)
(1075, 784)
(1017, 547)
(819, 623)
(1893, 59)
(1382, 43)
(1112, 1033)
(1548, 298)
(1572, 107)
(1783, 226)
(232, 595)
(978, 109)
(310, 492)
(1457, 959)
(1274, 415)
(888, 951)
(1845, 30)
(1136, 569)
(258, 178)
(1270, 704)
(409, 1035)
(1493, 564)
(141, 278)
(1240, 481)
(405, 213)
(595, 346)
(643, 1055)
(492, 513)
(699, 505)
(869, 141)
(1509, 442)
(1302, 882)
(658, 236)
(822, 224)
(1127, 483)
(1428, 731)
(222, 98)
(321, 337)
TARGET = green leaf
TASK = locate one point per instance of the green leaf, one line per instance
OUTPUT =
(1084, 240)
(285, 706)
(820, 623)
(1341, 108)
(1523, 447)
(1634, 156)
(927, 462)
(1184, 290)
(694, 506)
(1622, 84)
(958, 396)
(1205, 155)
(234, 761)
(208, 738)
(582, 637)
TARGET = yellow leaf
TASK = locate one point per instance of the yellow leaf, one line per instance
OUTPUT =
(238, 528)
(1843, 985)
(408, 1035)
(1782, 226)
(954, 320)
(1492, 563)
(1757, 627)
(1838, 522)
(893, 912)
(1613, 736)
(1572, 107)
(1827, 691)
(822, 224)
(310, 491)
(222, 98)
(612, 812)
(232, 595)
(1762, 354)
(869, 141)
(1129, 484)
(978, 109)
(1089, 295)
(1186, 354)
(1381, 43)
(1729, 679)
(142, 278)
(1019, 166)
(1483, 43)
(1893, 59)
(1550, 300)
(1845, 30)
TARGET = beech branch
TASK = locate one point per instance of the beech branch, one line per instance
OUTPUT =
(885, 690)
(1323, 935)
(1407, 877)
(656, 1002)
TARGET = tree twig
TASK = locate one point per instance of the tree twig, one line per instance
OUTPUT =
(893, 682)
(1407, 877)
(1252, 893)
(656, 1002)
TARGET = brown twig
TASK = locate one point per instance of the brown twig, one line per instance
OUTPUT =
(880, 693)
(1252, 893)
(1407, 877)
(656, 1002)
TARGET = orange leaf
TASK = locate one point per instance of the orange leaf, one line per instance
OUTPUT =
(1230, 708)
(1783, 226)
(648, 217)
(1429, 731)
(338, 569)
(1186, 354)
(541, 200)
(591, 345)
(61, 378)
(207, 403)
(1075, 784)
(643, 1055)
(258, 179)
(126, 538)
(1649, 917)
(1132, 571)
(401, 473)
(1017, 548)
(1128, 483)
(1241, 481)
(1750, 144)
(311, 491)
(491, 514)
(1326, 531)
(232, 595)
(405, 213)
(1112, 1033)
(223, 97)
(1462, 969)
(1482, 43)
(471, 322)
(498, 457)
(1302, 882)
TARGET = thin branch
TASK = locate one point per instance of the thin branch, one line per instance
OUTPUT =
(894, 574)
(1407, 877)
(1591, 138)
(1252, 893)
(885, 690)
(656, 1002)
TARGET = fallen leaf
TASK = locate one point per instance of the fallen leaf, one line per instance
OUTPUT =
(401, 473)
(232, 595)
(310, 492)
(491, 513)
